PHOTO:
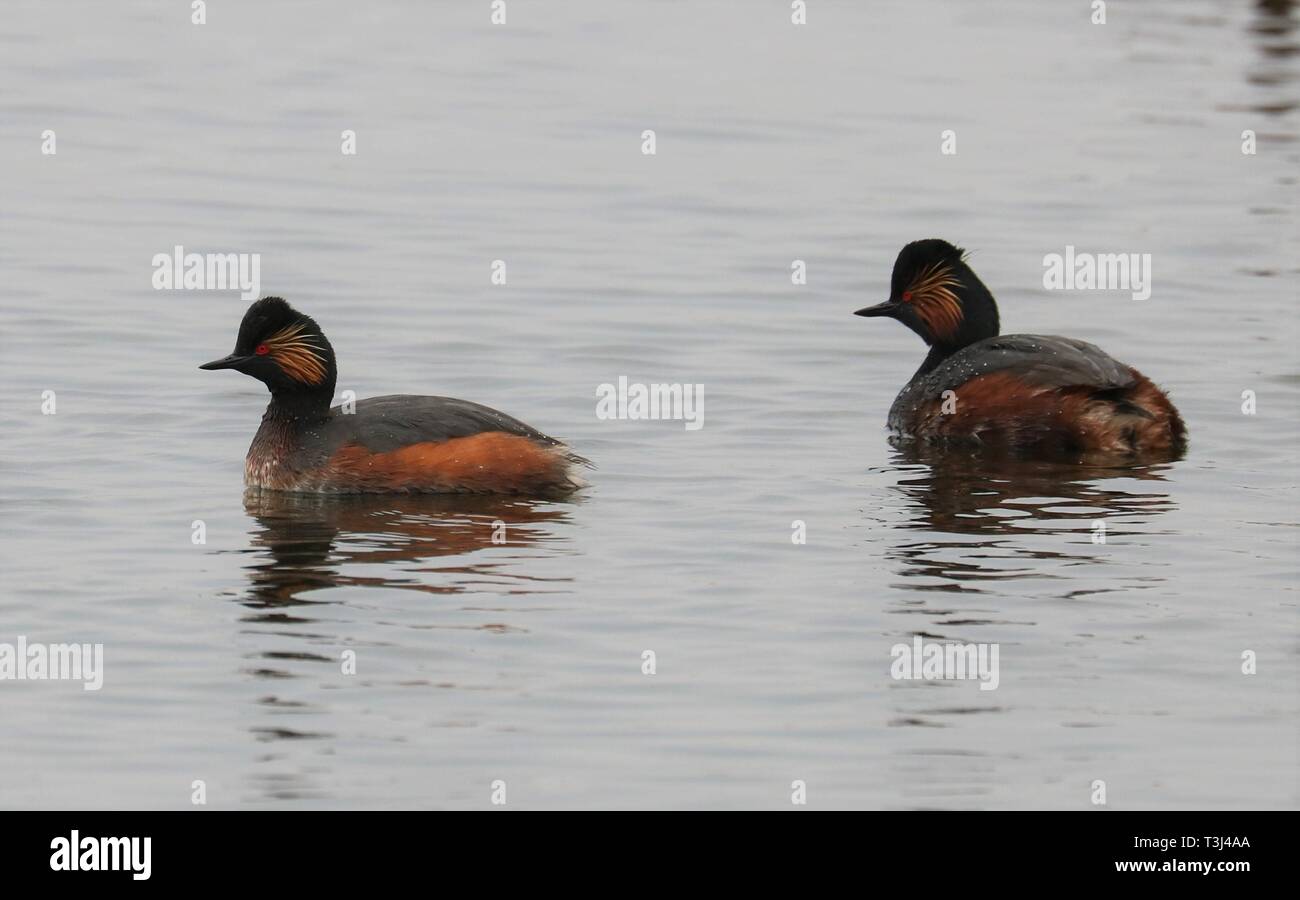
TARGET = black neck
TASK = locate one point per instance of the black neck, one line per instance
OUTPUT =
(938, 353)
(970, 333)
(299, 406)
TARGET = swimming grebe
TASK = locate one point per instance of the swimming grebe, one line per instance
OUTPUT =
(1019, 391)
(393, 444)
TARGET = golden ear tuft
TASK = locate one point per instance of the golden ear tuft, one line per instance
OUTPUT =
(935, 300)
(297, 355)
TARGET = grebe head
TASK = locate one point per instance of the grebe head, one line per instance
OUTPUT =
(934, 293)
(282, 348)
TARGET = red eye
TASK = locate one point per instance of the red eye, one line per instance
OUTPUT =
(262, 350)
(907, 295)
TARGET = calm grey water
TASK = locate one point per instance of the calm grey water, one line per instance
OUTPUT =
(522, 662)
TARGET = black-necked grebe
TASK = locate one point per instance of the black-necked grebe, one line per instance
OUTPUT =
(1020, 391)
(393, 444)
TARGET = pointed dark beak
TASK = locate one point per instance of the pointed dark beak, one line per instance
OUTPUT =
(226, 362)
(880, 309)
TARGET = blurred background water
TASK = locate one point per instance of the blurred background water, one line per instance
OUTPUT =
(521, 662)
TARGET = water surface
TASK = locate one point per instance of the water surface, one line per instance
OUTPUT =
(520, 659)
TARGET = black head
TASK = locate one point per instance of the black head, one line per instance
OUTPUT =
(934, 293)
(282, 348)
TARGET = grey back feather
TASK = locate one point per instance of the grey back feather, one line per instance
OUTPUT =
(382, 424)
(1047, 360)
